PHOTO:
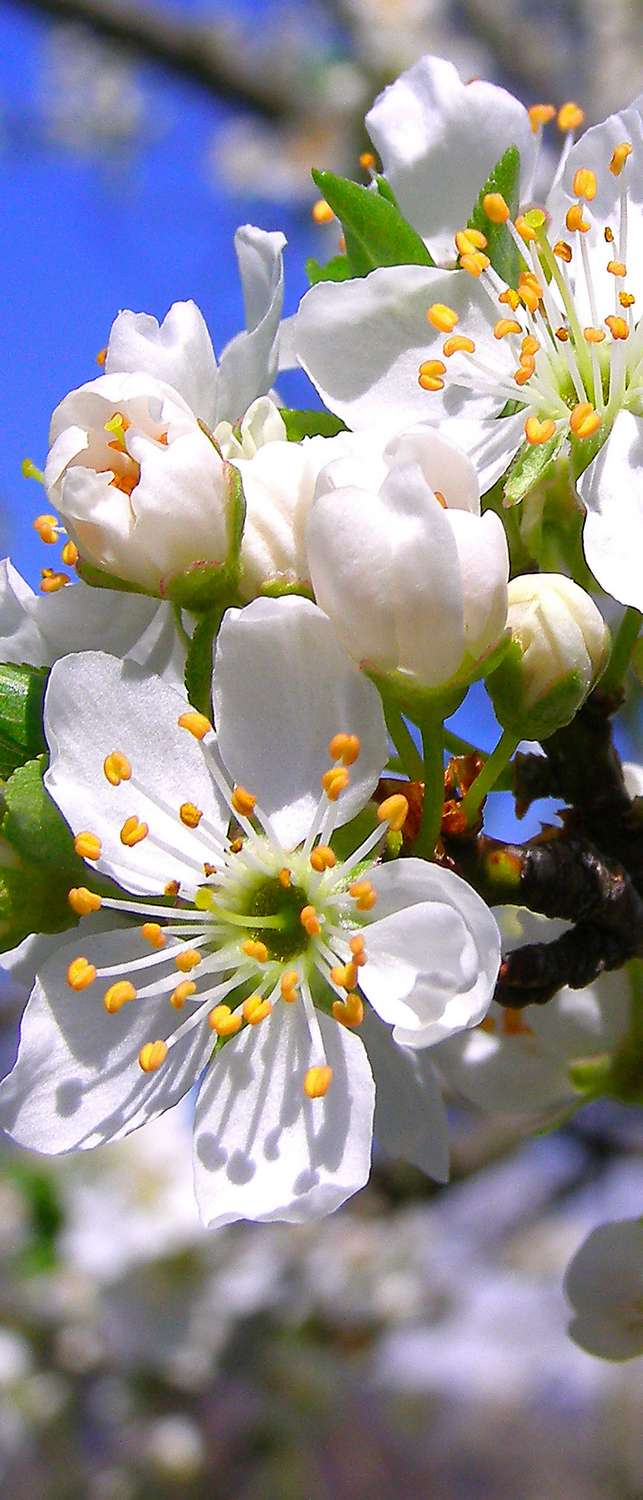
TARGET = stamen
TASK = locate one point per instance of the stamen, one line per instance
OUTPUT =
(334, 782)
(394, 811)
(617, 268)
(289, 984)
(70, 554)
(364, 894)
(618, 327)
(317, 1082)
(345, 747)
(80, 973)
(574, 219)
(48, 528)
(539, 115)
(52, 583)
(475, 263)
(190, 815)
(285, 877)
(530, 346)
(584, 183)
(255, 949)
(608, 235)
(323, 858)
(133, 832)
(195, 723)
(524, 229)
(429, 375)
(619, 157)
(356, 945)
(584, 420)
(442, 317)
(594, 335)
(243, 802)
(626, 299)
(87, 845)
(255, 1009)
(152, 932)
(539, 432)
(349, 1012)
(458, 344)
(321, 212)
(117, 996)
(510, 297)
(344, 976)
(496, 208)
(222, 1020)
(152, 1055)
(563, 251)
(570, 116)
(562, 334)
(505, 326)
(117, 768)
(188, 959)
(469, 240)
(183, 992)
(83, 901)
(310, 921)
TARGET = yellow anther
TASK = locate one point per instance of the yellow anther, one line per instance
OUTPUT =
(83, 901)
(364, 894)
(524, 229)
(430, 375)
(530, 296)
(584, 183)
(618, 327)
(235, 846)
(80, 973)
(334, 782)
(349, 1012)
(317, 1082)
(209, 869)
(70, 554)
(345, 747)
(47, 528)
(322, 212)
(562, 334)
(285, 877)
(540, 114)
(458, 344)
(153, 933)
(504, 326)
(475, 263)
(117, 768)
(255, 1009)
(608, 235)
(442, 317)
(617, 267)
(510, 298)
(310, 921)
(222, 1020)
(190, 815)
(182, 993)
(570, 116)
(52, 583)
(430, 382)
(574, 219)
(196, 723)
(101, 356)
(243, 802)
(468, 240)
(619, 157)
(367, 161)
(254, 948)
(152, 1056)
(584, 420)
(441, 499)
(133, 832)
(530, 346)
(118, 995)
(563, 251)
(188, 960)
(344, 975)
(172, 888)
(289, 984)
(323, 858)
(88, 845)
(539, 432)
(496, 208)
(594, 335)
(356, 945)
(525, 370)
(626, 299)
(394, 811)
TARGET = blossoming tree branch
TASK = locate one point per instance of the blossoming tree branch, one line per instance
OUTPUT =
(242, 848)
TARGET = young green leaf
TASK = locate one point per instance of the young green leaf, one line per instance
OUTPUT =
(337, 269)
(504, 178)
(301, 424)
(530, 464)
(21, 695)
(375, 232)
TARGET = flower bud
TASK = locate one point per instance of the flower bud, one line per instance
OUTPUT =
(415, 585)
(142, 490)
(560, 646)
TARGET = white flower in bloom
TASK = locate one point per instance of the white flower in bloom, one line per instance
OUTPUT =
(141, 489)
(273, 939)
(518, 1061)
(413, 578)
(604, 1284)
(564, 342)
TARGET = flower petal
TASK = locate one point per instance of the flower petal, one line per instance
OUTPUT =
(20, 638)
(178, 351)
(96, 704)
(362, 343)
(438, 139)
(604, 1284)
(490, 443)
(264, 1151)
(280, 668)
(612, 495)
(77, 1081)
(433, 953)
(410, 1116)
(248, 364)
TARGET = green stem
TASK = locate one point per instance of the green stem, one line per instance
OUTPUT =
(624, 643)
(433, 778)
(403, 741)
(491, 770)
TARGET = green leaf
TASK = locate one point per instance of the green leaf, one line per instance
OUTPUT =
(385, 190)
(38, 863)
(337, 269)
(529, 466)
(504, 178)
(301, 424)
(375, 232)
(33, 825)
(21, 694)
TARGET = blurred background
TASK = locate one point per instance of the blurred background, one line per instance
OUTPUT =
(413, 1345)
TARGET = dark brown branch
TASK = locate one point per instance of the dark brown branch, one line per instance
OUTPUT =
(201, 54)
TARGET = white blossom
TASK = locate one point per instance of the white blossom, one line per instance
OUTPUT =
(604, 1284)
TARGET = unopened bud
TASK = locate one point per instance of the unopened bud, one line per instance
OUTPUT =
(560, 646)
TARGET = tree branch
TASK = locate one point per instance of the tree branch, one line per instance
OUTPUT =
(201, 54)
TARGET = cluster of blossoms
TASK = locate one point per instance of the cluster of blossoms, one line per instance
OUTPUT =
(282, 894)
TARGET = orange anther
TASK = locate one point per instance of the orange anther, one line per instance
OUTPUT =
(243, 802)
(133, 832)
(584, 183)
(468, 240)
(524, 229)
(152, 1055)
(182, 993)
(190, 815)
(618, 327)
(584, 420)
(496, 208)
(322, 212)
(540, 114)
(323, 858)
(83, 901)
(442, 317)
(394, 811)
(80, 973)
(223, 1021)
(254, 948)
(367, 161)
(363, 894)
(525, 369)
(255, 1009)
(47, 528)
(626, 299)
(458, 344)
(289, 984)
(70, 554)
(117, 768)
(52, 583)
(172, 888)
(87, 845)
(510, 297)
(118, 995)
(344, 975)
(334, 782)
(505, 326)
(153, 933)
(570, 116)
(349, 1012)
(101, 356)
(619, 157)
(317, 1082)
(574, 219)
(475, 263)
(539, 432)
(196, 723)
(562, 334)
(188, 959)
(530, 346)
(356, 945)
(310, 921)
(345, 747)
(608, 235)
(285, 877)
(563, 251)
(617, 267)
(594, 335)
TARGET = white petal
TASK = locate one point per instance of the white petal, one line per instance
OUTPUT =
(20, 638)
(283, 688)
(90, 619)
(77, 1081)
(490, 443)
(248, 364)
(612, 494)
(178, 351)
(439, 139)
(362, 343)
(142, 396)
(444, 465)
(263, 1150)
(433, 952)
(604, 1283)
(179, 508)
(95, 704)
(483, 564)
(410, 1116)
